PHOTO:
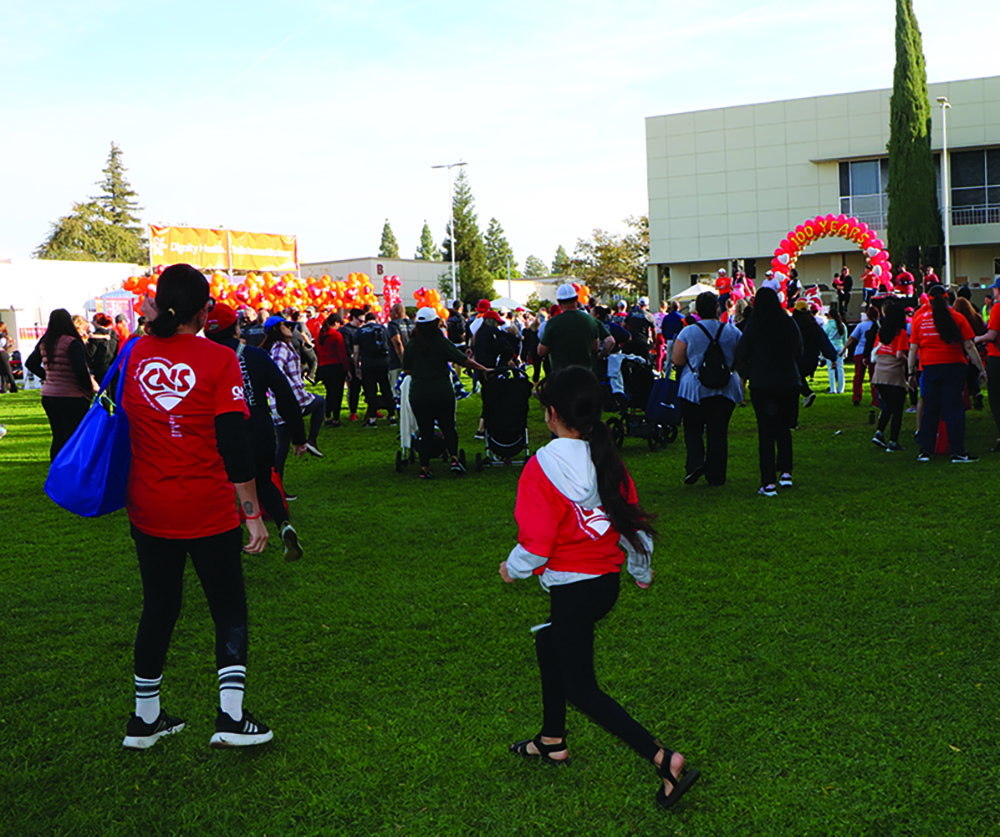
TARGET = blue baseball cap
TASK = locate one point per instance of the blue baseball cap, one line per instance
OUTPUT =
(275, 320)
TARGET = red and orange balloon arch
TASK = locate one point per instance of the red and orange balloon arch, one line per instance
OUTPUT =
(824, 226)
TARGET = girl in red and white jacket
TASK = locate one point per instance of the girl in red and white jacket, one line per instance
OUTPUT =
(577, 510)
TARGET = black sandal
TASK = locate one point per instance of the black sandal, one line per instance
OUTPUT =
(544, 750)
(681, 784)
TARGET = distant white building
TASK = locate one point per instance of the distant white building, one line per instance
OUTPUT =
(729, 184)
(413, 273)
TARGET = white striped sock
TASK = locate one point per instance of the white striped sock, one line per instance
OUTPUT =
(232, 681)
(147, 698)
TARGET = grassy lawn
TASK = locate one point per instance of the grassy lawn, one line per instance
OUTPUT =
(827, 658)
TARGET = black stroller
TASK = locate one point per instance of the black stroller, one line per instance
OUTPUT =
(632, 382)
(506, 396)
(409, 437)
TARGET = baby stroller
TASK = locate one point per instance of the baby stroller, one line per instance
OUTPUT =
(632, 382)
(409, 437)
(505, 418)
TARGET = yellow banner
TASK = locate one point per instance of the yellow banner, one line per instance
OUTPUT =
(263, 251)
(222, 249)
(202, 248)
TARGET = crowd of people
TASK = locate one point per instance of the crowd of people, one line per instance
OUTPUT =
(203, 420)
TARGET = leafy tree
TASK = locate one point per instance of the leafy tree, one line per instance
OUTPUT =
(427, 251)
(535, 267)
(560, 264)
(474, 278)
(534, 303)
(389, 248)
(914, 216)
(614, 264)
(105, 228)
(497, 252)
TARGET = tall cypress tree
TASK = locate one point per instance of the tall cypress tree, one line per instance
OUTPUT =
(390, 247)
(497, 251)
(914, 216)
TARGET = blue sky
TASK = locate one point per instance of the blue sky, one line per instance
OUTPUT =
(322, 119)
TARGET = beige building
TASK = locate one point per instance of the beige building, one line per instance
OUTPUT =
(729, 184)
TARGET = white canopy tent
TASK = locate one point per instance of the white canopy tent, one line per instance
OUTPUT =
(689, 294)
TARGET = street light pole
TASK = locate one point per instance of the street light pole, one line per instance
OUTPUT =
(451, 212)
(945, 188)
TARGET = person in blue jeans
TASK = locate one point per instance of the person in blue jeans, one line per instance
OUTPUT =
(942, 339)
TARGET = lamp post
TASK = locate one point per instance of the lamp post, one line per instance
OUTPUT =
(451, 213)
(945, 188)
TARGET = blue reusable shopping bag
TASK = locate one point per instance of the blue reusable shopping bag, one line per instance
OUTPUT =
(89, 476)
(663, 406)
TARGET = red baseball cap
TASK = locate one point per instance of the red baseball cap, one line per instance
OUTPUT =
(220, 318)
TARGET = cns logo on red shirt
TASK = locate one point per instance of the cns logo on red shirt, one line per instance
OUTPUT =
(165, 383)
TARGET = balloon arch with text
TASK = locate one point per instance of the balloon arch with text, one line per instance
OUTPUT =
(825, 226)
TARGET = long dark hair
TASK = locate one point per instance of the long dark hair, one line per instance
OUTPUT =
(273, 335)
(60, 324)
(181, 293)
(331, 323)
(893, 320)
(426, 333)
(574, 393)
(946, 327)
(835, 316)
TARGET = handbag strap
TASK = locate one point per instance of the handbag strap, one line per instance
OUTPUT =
(120, 361)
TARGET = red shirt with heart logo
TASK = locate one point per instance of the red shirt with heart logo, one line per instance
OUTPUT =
(174, 389)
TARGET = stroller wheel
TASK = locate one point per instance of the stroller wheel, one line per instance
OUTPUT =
(479, 462)
(399, 461)
(461, 456)
(655, 439)
(617, 431)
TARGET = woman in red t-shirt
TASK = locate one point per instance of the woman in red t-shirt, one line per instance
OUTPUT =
(184, 400)
(576, 512)
(991, 339)
(333, 366)
(942, 339)
(889, 378)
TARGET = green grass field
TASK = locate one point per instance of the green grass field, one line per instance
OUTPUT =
(827, 658)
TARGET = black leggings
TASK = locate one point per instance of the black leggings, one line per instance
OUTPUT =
(776, 409)
(893, 402)
(373, 381)
(65, 415)
(267, 492)
(217, 560)
(426, 413)
(332, 376)
(565, 652)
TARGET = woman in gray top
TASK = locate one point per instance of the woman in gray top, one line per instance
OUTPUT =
(706, 410)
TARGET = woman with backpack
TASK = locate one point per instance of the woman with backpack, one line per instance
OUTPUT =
(770, 350)
(709, 390)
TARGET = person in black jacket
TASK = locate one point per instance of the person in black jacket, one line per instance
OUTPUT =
(261, 374)
(769, 351)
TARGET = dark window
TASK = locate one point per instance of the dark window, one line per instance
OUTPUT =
(845, 179)
(968, 197)
(968, 168)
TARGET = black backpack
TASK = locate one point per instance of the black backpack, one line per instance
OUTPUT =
(380, 346)
(456, 328)
(714, 372)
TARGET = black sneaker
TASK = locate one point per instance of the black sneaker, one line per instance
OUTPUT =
(965, 457)
(479, 435)
(808, 400)
(923, 456)
(313, 450)
(694, 476)
(370, 423)
(879, 439)
(141, 736)
(244, 733)
(290, 540)
(894, 447)
(290, 497)
(457, 467)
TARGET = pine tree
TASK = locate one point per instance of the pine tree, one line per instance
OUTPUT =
(474, 279)
(535, 267)
(560, 264)
(914, 216)
(427, 251)
(390, 247)
(105, 228)
(498, 251)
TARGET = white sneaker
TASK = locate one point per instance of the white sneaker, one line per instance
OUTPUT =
(785, 480)
(315, 451)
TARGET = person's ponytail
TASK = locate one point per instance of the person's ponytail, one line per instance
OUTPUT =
(181, 293)
(574, 393)
(946, 327)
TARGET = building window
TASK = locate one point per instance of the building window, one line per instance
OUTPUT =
(975, 186)
(863, 190)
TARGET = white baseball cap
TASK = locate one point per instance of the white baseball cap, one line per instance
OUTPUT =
(427, 315)
(566, 292)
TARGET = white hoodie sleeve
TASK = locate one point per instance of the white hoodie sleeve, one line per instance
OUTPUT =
(641, 570)
(522, 564)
